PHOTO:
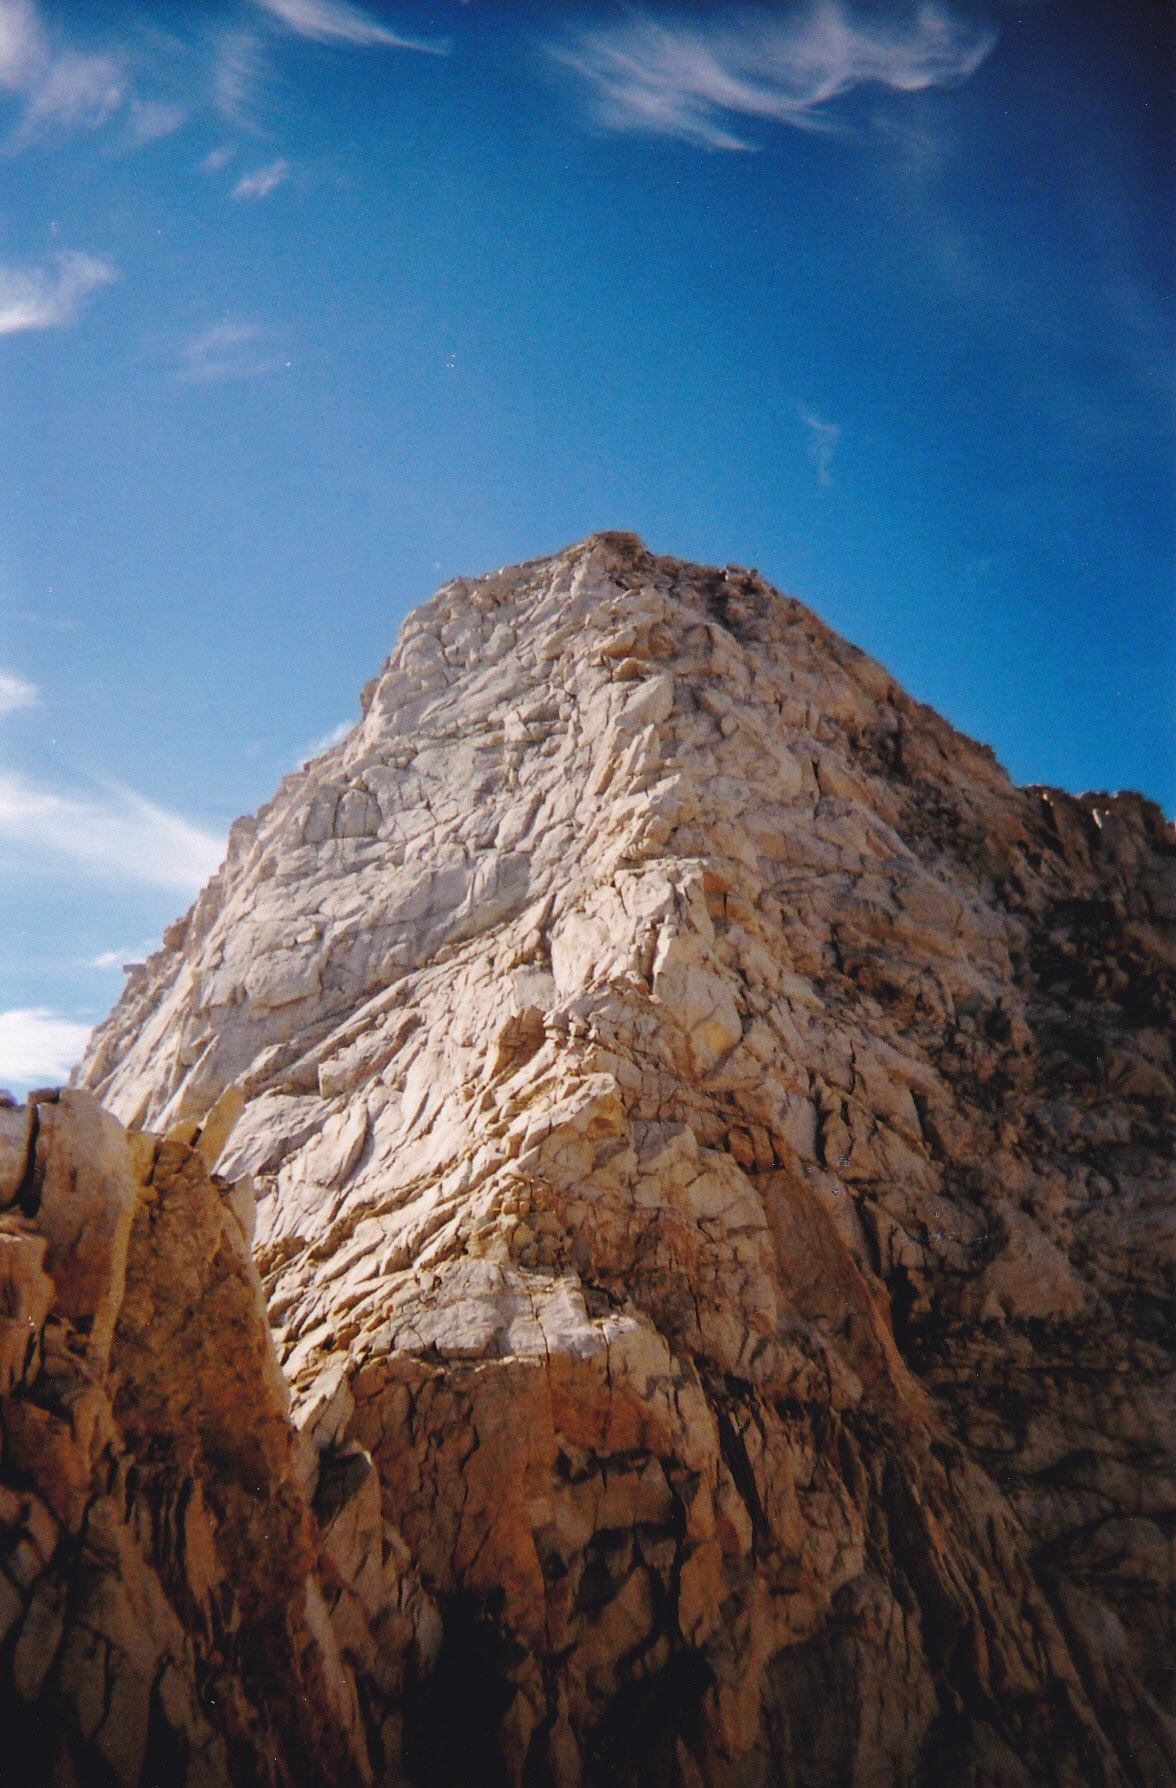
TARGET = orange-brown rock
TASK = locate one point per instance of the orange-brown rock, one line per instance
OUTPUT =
(165, 1586)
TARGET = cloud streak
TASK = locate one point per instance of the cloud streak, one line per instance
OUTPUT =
(23, 50)
(236, 77)
(122, 959)
(260, 184)
(822, 445)
(327, 743)
(31, 298)
(227, 351)
(77, 92)
(63, 89)
(331, 21)
(697, 81)
(117, 835)
(68, 90)
(152, 119)
(37, 1047)
(16, 693)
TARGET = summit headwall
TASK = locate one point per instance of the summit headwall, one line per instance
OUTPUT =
(712, 1140)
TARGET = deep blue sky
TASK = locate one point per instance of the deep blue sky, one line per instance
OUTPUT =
(297, 320)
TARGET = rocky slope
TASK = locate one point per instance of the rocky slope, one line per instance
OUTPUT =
(712, 1140)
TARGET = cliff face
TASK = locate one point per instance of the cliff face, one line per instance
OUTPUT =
(712, 1146)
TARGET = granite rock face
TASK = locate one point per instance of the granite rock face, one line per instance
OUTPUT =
(166, 1580)
(712, 1142)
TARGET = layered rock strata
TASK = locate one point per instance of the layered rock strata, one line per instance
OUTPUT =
(713, 1148)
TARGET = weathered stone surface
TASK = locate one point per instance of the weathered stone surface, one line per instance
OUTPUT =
(712, 1143)
(85, 1189)
(161, 1610)
(15, 1126)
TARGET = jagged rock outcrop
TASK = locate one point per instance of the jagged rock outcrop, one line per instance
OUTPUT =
(166, 1583)
(713, 1149)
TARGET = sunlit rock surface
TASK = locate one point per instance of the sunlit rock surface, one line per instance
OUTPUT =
(712, 1145)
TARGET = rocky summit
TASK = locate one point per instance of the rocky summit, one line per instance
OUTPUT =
(706, 1142)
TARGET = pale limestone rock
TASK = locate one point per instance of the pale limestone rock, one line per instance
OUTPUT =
(711, 1138)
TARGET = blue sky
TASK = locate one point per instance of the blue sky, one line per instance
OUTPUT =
(305, 308)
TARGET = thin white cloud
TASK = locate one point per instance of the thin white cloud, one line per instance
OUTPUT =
(23, 50)
(16, 693)
(37, 618)
(151, 119)
(823, 440)
(115, 835)
(697, 81)
(31, 298)
(263, 182)
(237, 74)
(228, 350)
(76, 92)
(37, 1047)
(67, 90)
(122, 959)
(335, 737)
(331, 21)
(216, 159)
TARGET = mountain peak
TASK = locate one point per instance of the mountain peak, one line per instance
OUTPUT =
(709, 1133)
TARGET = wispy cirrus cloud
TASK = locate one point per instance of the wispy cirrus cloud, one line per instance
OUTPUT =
(823, 439)
(38, 1047)
(61, 88)
(23, 48)
(32, 298)
(1043, 294)
(697, 81)
(238, 73)
(121, 959)
(114, 834)
(260, 184)
(151, 119)
(76, 92)
(335, 737)
(64, 89)
(332, 21)
(16, 693)
(228, 350)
